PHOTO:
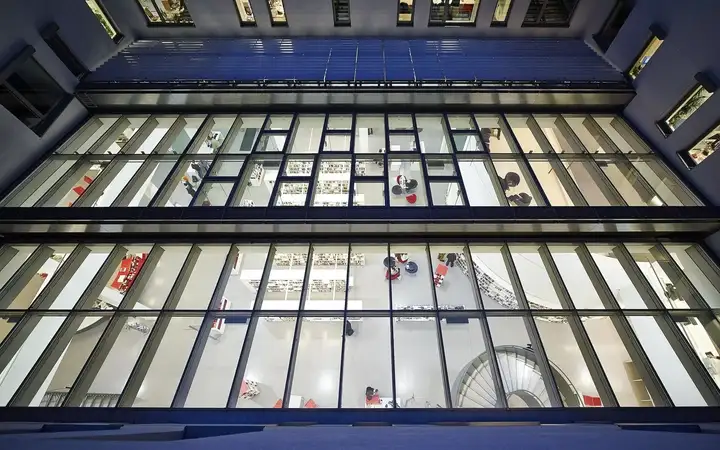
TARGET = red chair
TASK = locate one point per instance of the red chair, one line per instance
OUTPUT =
(310, 404)
(412, 199)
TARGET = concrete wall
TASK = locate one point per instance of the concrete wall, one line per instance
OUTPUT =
(690, 47)
(20, 25)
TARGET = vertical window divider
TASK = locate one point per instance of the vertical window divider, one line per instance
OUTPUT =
(345, 321)
(386, 163)
(245, 170)
(392, 326)
(139, 178)
(110, 136)
(557, 165)
(535, 186)
(81, 136)
(150, 348)
(314, 175)
(283, 162)
(21, 278)
(478, 129)
(65, 333)
(298, 327)
(597, 373)
(438, 330)
(105, 343)
(63, 185)
(353, 130)
(453, 156)
(678, 278)
(651, 379)
(538, 348)
(165, 190)
(423, 166)
(193, 362)
(485, 327)
(62, 276)
(236, 385)
(232, 134)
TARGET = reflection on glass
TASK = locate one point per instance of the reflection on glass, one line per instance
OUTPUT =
(213, 194)
(629, 183)
(279, 122)
(467, 142)
(521, 375)
(590, 181)
(103, 19)
(258, 182)
(684, 110)
(663, 181)
(292, 194)
(477, 177)
(703, 149)
(83, 176)
(333, 183)
(433, 135)
(407, 186)
(277, 12)
(621, 135)
(308, 132)
(369, 194)
(440, 166)
(502, 10)
(285, 281)
(644, 57)
(405, 11)
(316, 377)
(373, 350)
(97, 126)
(267, 365)
(418, 376)
(145, 188)
(246, 13)
(460, 122)
(410, 273)
(446, 193)
(19, 254)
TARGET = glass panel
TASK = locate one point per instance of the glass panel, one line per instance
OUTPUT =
(493, 280)
(246, 14)
(453, 12)
(192, 172)
(644, 57)
(663, 181)
(405, 11)
(245, 276)
(244, 139)
(369, 194)
(333, 183)
(502, 10)
(699, 332)
(285, 282)
(100, 124)
(43, 179)
(279, 122)
(551, 183)
(590, 139)
(433, 135)
(400, 122)
(402, 143)
(703, 149)
(116, 146)
(204, 277)
(171, 11)
(370, 134)
(471, 381)
(570, 370)
(687, 108)
(167, 366)
(477, 177)
(574, 276)
(692, 263)
(363, 387)
(298, 167)
(103, 19)
(522, 378)
(515, 181)
(411, 288)
(150, 11)
(215, 373)
(559, 139)
(316, 378)
(79, 280)
(616, 278)
(494, 139)
(214, 194)
(455, 292)
(154, 293)
(20, 254)
(337, 143)
(629, 183)
(258, 187)
(83, 176)
(158, 170)
(271, 143)
(292, 194)
(461, 122)
(370, 167)
(626, 143)
(524, 135)
(277, 12)
(227, 166)
(543, 14)
(221, 125)
(115, 185)
(418, 376)
(467, 143)
(328, 280)
(308, 133)
(406, 181)
(367, 272)
(339, 122)
(267, 364)
(535, 279)
(440, 166)
(621, 371)
(590, 181)
(673, 375)
(446, 193)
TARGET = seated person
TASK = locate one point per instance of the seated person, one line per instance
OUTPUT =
(521, 199)
(510, 181)
(370, 392)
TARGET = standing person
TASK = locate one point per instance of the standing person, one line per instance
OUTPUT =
(348, 328)
(450, 259)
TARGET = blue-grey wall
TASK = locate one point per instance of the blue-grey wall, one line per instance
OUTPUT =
(693, 31)
(20, 25)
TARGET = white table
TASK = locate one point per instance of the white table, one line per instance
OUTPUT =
(385, 402)
(296, 401)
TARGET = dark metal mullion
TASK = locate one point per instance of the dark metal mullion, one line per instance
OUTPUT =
(677, 277)
(64, 335)
(345, 320)
(453, 152)
(246, 170)
(314, 175)
(386, 158)
(63, 185)
(392, 334)
(234, 393)
(152, 343)
(21, 98)
(531, 328)
(261, 132)
(478, 133)
(109, 136)
(515, 144)
(62, 276)
(423, 166)
(298, 326)
(290, 136)
(22, 276)
(637, 277)
(112, 331)
(438, 330)
(232, 134)
(639, 358)
(600, 380)
(164, 190)
(203, 182)
(353, 158)
(193, 361)
(501, 399)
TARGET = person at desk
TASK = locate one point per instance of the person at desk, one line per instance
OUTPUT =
(521, 199)
(511, 180)
(370, 393)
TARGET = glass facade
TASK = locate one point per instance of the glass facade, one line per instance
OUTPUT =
(436, 324)
(324, 160)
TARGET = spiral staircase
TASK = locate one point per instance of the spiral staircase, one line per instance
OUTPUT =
(521, 377)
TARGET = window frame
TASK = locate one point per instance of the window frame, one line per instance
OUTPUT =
(684, 154)
(538, 24)
(620, 7)
(409, 23)
(335, 16)
(163, 22)
(244, 23)
(445, 23)
(273, 22)
(47, 119)
(52, 38)
(663, 125)
(642, 51)
(118, 35)
(504, 23)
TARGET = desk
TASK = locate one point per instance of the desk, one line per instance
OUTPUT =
(296, 401)
(379, 402)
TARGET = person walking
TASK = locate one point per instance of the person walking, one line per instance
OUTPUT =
(450, 259)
